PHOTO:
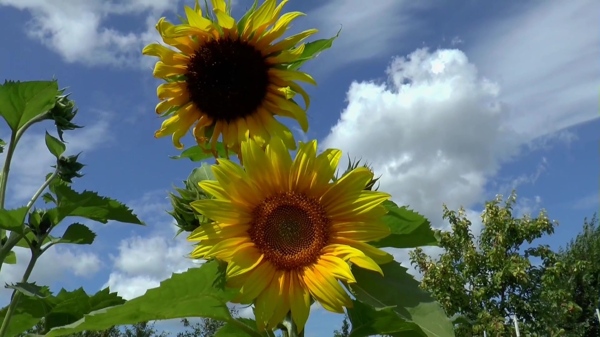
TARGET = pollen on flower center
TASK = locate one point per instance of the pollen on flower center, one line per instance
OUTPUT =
(290, 229)
(227, 79)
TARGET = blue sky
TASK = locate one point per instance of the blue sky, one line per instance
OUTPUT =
(452, 102)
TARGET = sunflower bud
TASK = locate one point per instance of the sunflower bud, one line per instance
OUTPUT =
(187, 220)
(352, 166)
(63, 112)
(68, 168)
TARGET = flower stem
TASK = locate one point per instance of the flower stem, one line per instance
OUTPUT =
(16, 295)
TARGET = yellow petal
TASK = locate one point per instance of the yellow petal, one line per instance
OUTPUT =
(337, 267)
(361, 231)
(286, 56)
(378, 255)
(177, 125)
(228, 249)
(357, 257)
(278, 29)
(172, 89)
(180, 101)
(279, 155)
(267, 300)
(282, 307)
(280, 106)
(162, 70)
(244, 261)
(224, 19)
(262, 15)
(326, 289)
(288, 42)
(276, 129)
(221, 211)
(299, 301)
(292, 75)
(214, 231)
(255, 282)
(303, 167)
(345, 191)
(356, 206)
(166, 55)
(196, 20)
(257, 164)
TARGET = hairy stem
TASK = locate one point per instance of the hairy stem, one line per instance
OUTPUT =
(16, 295)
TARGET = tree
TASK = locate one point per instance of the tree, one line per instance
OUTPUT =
(481, 281)
(344, 330)
(583, 284)
(207, 327)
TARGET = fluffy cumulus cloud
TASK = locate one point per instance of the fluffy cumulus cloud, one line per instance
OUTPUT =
(545, 57)
(143, 261)
(79, 30)
(436, 131)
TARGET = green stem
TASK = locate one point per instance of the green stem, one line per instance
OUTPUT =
(16, 295)
(14, 139)
(292, 329)
(41, 190)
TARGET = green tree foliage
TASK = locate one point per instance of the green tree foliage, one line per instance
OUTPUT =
(344, 330)
(481, 281)
(583, 284)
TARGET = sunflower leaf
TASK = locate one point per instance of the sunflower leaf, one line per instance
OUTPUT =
(20, 102)
(196, 153)
(409, 229)
(77, 234)
(29, 289)
(64, 308)
(55, 146)
(368, 321)
(312, 50)
(197, 292)
(13, 219)
(400, 292)
(240, 327)
(89, 205)
(11, 258)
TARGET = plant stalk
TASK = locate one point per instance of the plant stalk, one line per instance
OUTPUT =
(16, 295)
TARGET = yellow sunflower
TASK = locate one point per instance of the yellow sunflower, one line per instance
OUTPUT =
(230, 78)
(287, 231)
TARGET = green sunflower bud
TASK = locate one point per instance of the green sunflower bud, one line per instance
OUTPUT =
(187, 220)
(69, 167)
(352, 165)
(63, 112)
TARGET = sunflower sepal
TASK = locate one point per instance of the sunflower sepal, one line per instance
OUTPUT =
(313, 49)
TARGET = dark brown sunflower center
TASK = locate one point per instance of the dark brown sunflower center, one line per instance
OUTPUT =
(290, 229)
(227, 79)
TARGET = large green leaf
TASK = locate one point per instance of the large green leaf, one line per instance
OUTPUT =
(11, 258)
(13, 219)
(400, 291)
(78, 234)
(409, 229)
(198, 292)
(29, 289)
(89, 205)
(196, 153)
(20, 102)
(64, 308)
(368, 321)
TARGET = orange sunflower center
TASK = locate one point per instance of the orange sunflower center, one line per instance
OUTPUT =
(227, 79)
(290, 229)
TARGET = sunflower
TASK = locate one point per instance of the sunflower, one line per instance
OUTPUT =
(230, 78)
(287, 231)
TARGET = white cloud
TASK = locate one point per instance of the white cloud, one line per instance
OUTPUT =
(56, 264)
(32, 160)
(368, 31)
(435, 131)
(143, 262)
(78, 31)
(545, 58)
(587, 202)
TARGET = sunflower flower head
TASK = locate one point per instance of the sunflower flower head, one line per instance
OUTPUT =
(228, 79)
(288, 231)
